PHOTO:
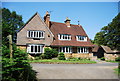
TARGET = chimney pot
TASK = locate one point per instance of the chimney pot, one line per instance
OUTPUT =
(47, 19)
(67, 21)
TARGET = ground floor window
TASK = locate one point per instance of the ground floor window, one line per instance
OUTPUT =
(83, 50)
(65, 49)
(35, 48)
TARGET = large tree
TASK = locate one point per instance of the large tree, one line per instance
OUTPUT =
(110, 34)
(11, 22)
(15, 68)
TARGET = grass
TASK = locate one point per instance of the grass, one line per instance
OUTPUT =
(117, 71)
(84, 61)
(111, 61)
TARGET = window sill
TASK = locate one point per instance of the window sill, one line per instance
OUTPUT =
(35, 38)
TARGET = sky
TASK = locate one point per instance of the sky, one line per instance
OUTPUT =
(92, 15)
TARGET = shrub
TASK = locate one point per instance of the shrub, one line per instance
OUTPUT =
(79, 58)
(61, 56)
(42, 56)
(117, 59)
(54, 53)
(50, 53)
(47, 53)
(17, 68)
(37, 58)
(102, 58)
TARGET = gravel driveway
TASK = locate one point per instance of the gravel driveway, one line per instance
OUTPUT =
(75, 71)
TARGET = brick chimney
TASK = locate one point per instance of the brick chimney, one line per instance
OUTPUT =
(47, 19)
(67, 21)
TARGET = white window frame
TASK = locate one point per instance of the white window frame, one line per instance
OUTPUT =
(81, 38)
(41, 50)
(35, 34)
(65, 49)
(82, 50)
(64, 36)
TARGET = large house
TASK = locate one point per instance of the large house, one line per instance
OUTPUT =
(38, 34)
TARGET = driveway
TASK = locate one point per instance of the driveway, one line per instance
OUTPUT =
(76, 71)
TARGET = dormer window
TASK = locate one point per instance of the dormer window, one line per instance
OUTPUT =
(35, 34)
(81, 38)
(64, 37)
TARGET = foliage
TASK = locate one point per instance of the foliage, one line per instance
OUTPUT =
(117, 59)
(117, 71)
(11, 22)
(54, 53)
(61, 56)
(73, 59)
(102, 58)
(99, 38)
(92, 41)
(50, 53)
(110, 34)
(112, 61)
(17, 68)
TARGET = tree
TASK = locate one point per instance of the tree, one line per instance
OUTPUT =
(11, 22)
(110, 34)
(17, 68)
(99, 38)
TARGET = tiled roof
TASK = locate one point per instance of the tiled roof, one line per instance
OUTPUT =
(95, 49)
(105, 48)
(109, 50)
(61, 28)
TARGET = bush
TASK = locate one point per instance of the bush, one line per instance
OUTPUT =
(61, 56)
(102, 58)
(37, 58)
(42, 56)
(50, 53)
(47, 53)
(117, 59)
(17, 68)
(54, 53)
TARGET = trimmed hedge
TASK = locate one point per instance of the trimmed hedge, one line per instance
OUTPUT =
(61, 56)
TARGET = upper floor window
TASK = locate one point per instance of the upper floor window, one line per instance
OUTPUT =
(35, 34)
(64, 37)
(81, 38)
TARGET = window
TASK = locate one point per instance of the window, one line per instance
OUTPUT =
(33, 48)
(35, 34)
(65, 49)
(83, 50)
(64, 37)
(81, 38)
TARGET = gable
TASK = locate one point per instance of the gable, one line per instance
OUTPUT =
(35, 23)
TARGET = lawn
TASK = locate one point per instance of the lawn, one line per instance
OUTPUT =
(50, 61)
(117, 71)
(112, 61)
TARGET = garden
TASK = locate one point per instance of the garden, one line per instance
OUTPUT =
(51, 56)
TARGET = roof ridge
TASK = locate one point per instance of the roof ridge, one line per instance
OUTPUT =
(28, 21)
(64, 23)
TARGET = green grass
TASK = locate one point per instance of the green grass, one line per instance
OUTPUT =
(117, 71)
(63, 61)
(111, 61)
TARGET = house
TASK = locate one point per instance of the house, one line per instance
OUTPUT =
(38, 34)
(105, 51)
